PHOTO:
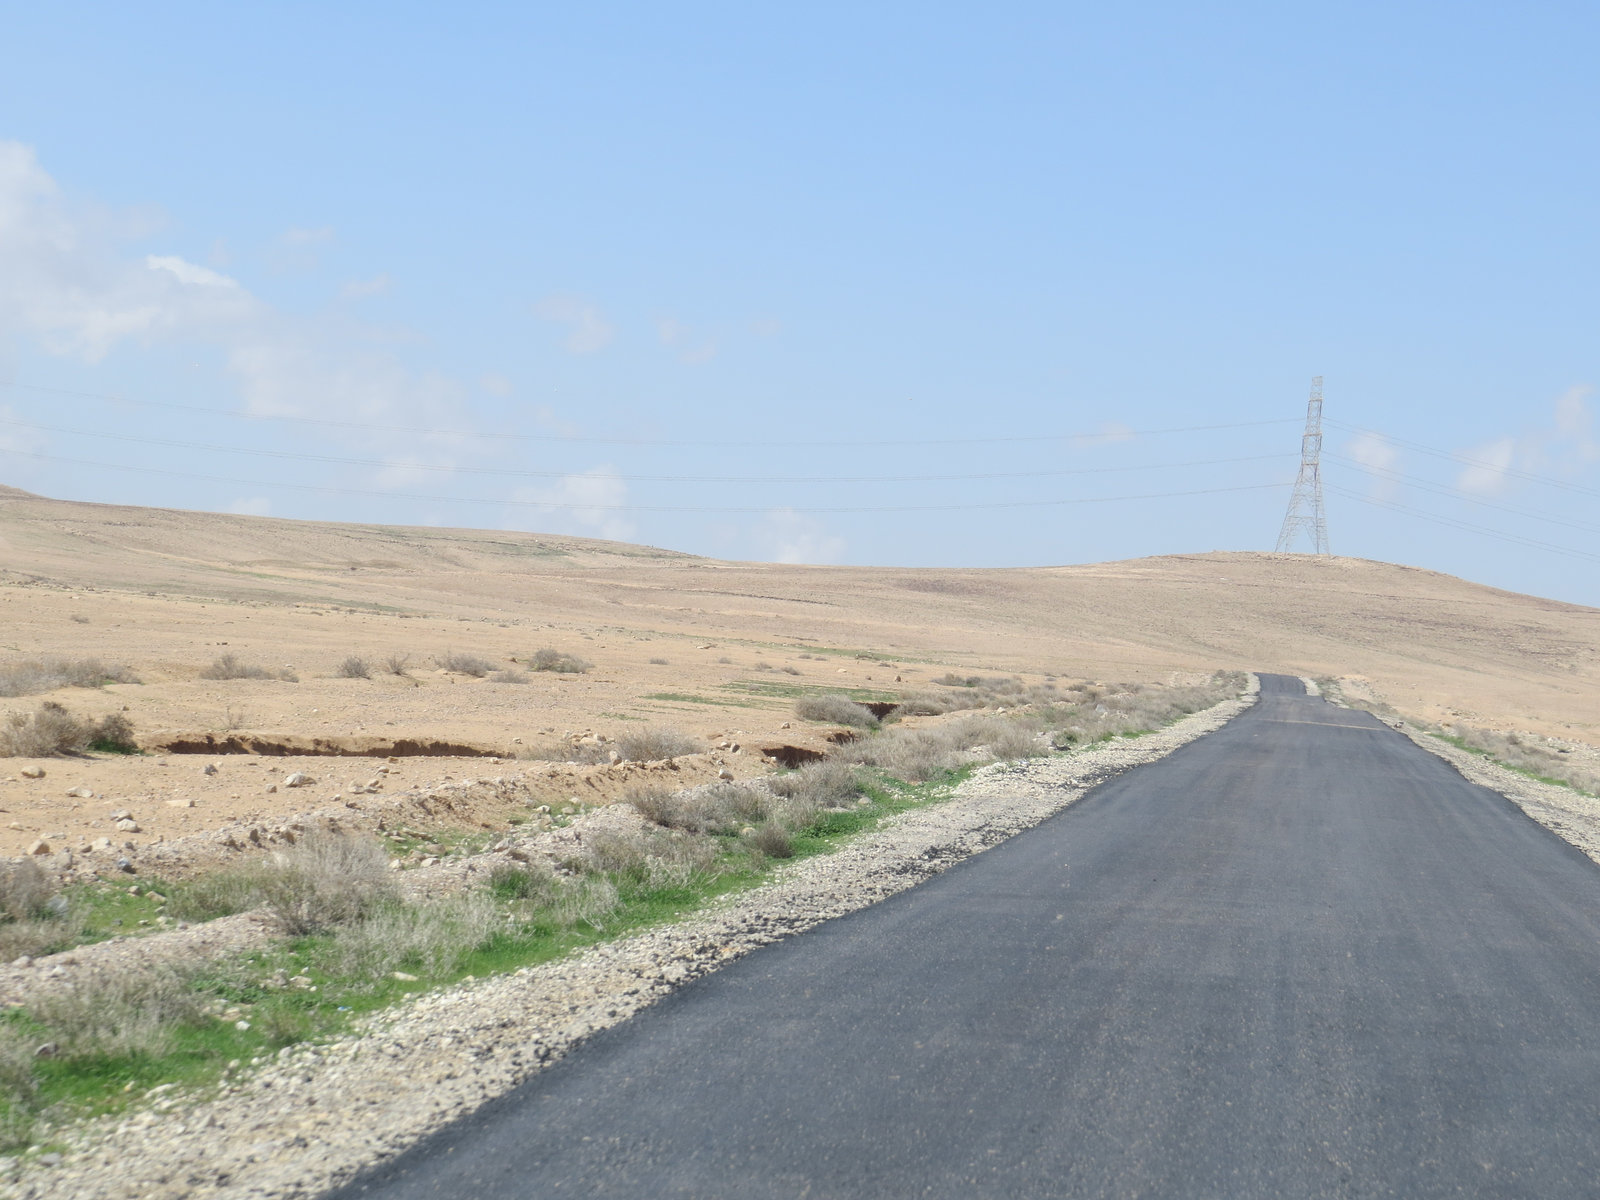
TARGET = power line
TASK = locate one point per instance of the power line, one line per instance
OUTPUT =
(1465, 460)
(1467, 526)
(519, 473)
(766, 443)
(547, 505)
(1454, 494)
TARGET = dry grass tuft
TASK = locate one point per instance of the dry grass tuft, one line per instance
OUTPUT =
(230, 666)
(354, 667)
(30, 676)
(654, 745)
(839, 709)
(121, 1014)
(548, 659)
(465, 664)
(396, 664)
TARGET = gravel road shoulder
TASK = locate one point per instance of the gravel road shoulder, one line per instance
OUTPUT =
(317, 1114)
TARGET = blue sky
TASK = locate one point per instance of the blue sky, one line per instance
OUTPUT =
(899, 284)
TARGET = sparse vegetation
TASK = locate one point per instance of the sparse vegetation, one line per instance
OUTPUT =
(230, 666)
(653, 744)
(465, 664)
(354, 667)
(659, 662)
(353, 943)
(396, 664)
(30, 676)
(549, 659)
(838, 709)
(52, 730)
(511, 676)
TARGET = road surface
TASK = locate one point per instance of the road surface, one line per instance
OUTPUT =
(1299, 957)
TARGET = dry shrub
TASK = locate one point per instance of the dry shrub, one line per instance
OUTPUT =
(354, 667)
(18, 1086)
(548, 659)
(396, 664)
(511, 676)
(915, 755)
(715, 808)
(773, 840)
(825, 784)
(121, 1013)
(839, 709)
(25, 890)
(465, 664)
(649, 857)
(654, 744)
(35, 918)
(29, 676)
(113, 734)
(430, 938)
(326, 880)
(49, 730)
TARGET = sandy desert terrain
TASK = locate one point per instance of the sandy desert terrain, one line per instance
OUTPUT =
(718, 650)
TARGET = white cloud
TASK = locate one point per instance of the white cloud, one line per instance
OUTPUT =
(593, 501)
(188, 272)
(791, 537)
(587, 329)
(251, 506)
(1377, 456)
(495, 384)
(67, 287)
(1487, 465)
(684, 342)
(359, 289)
(1564, 447)
(1110, 433)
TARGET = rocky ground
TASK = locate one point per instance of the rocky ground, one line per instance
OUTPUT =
(295, 1125)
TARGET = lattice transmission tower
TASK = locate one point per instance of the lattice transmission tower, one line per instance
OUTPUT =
(1305, 506)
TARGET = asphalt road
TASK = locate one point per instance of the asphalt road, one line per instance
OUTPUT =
(1299, 957)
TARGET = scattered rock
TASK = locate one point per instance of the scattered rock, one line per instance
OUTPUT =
(39, 847)
(24, 961)
(125, 866)
(180, 803)
(127, 825)
(298, 779)
(33, 772)
(48, 1050)
(725, 774)
(209, 769)
(403, 977)
(80, 793)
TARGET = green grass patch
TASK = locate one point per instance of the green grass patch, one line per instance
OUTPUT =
(312, 988)
(1462, 744)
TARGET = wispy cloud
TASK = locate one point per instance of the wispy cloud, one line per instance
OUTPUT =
(593, 502)
(68, 288)
(686, 345)
(791, 537)
(1565, 446)
(587, 329)
(1109, 434)
(1379, 458)
(360, 289)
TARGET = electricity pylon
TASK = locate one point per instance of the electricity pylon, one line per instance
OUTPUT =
(1305, 506)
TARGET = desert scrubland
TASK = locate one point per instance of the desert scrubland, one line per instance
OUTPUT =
(716, 652)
